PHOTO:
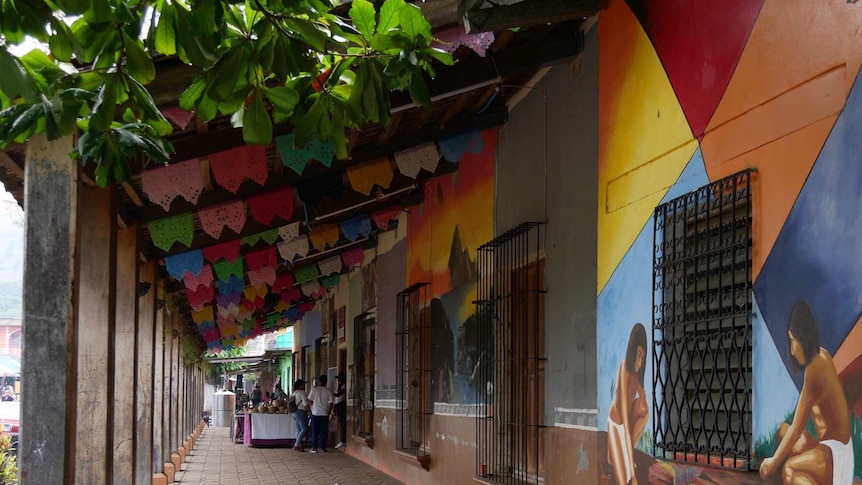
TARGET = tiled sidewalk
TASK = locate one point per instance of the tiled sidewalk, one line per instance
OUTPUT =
(217, 461)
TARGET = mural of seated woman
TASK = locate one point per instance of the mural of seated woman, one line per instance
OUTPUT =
(828, 457)
(628, 414)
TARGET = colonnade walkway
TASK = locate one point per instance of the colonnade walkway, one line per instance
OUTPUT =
(215, 460)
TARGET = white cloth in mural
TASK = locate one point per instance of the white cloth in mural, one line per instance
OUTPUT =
(295, 247)
(330, 265)
(423, 156)
(288, 232)
(842, 461)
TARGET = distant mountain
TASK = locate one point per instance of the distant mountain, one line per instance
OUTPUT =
(462, 269)
(11, 255)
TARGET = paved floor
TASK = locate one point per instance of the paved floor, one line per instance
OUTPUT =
(217, 461)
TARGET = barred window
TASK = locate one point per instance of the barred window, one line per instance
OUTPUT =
(364, 340)
(510, 370)
(702, 325)
(306, 363)
(414, 371)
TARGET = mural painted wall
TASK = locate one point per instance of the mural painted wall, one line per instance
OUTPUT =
(442, 236)
(691, 92)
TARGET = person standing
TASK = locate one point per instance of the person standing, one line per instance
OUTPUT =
(256, 396)
(321, 399)
(300, 414)
(340, 409)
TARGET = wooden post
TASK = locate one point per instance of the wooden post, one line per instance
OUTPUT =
(51, 203)
(167, 422)
(124, 356)
(144, 375)
(175, 396)
(159, 384)
(97, 239)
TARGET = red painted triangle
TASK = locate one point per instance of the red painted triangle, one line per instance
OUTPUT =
(699, 44)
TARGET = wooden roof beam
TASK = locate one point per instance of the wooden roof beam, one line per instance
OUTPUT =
(10, 165)
(387, 133)
(530, 13)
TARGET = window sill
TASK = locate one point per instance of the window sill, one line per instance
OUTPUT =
(422, 460)
(366, 440)
(489, 480)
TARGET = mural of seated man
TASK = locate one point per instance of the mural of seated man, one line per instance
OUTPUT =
(803, 458)
(628, 414)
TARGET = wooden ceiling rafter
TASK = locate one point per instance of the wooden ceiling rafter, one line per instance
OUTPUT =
(11, 166)
(132, 193)
(455, 108)
(205, 174)
(420, 120)
(352, 137)
(386, 133)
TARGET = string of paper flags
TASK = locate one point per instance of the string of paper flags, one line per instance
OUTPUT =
(230, 168)
(226, 289)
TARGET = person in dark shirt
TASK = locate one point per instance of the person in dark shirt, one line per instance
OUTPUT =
(256, 396)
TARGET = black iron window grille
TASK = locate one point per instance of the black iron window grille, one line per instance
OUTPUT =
(510, 369)
(319, 357)
(701, 327)
(306, 364)
(414, 370)
(363, 375)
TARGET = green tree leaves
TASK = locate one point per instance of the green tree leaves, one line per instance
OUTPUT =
(362, 13)
(256, 124)
(260, 62)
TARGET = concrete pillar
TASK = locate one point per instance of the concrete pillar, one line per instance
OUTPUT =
(124, 356)
(95, 256)
(144, 375)
(50, 200)
(159, 384)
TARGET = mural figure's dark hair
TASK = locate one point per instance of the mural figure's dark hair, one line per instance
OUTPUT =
(637, 339)
(804, 329)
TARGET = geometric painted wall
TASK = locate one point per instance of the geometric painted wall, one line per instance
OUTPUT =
(691, 92)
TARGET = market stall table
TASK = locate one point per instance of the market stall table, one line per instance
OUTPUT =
(269, 430)
(236, 431)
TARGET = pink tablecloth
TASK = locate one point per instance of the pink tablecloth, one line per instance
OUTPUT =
(246, 435)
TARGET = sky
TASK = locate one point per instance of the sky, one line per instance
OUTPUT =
(11, 255)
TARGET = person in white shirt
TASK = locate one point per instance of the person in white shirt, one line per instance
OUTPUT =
(340, 409)
(321, 399)
(300, 414)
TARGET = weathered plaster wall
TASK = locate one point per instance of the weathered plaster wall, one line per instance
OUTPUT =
(562, 110)
(391, 278)
(453, 450)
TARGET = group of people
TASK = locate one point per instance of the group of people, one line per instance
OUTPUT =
(318, 407)
(255, 397)
(312, 410)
